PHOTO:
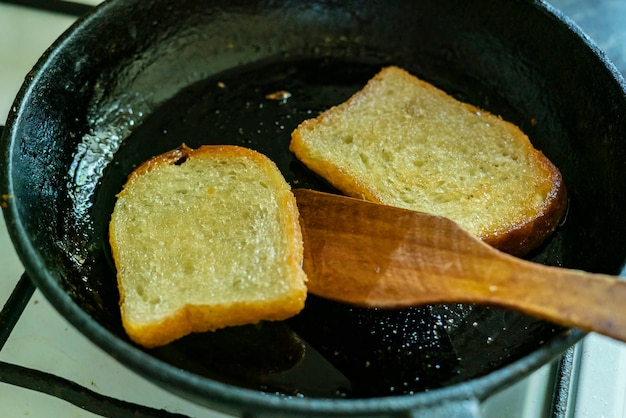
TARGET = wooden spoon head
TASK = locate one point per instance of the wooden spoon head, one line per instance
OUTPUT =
(369, 254)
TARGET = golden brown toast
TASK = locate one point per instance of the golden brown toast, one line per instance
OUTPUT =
(203, 239)
(403, 142)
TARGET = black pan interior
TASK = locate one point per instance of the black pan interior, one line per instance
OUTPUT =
(135, 80)
(368, 353)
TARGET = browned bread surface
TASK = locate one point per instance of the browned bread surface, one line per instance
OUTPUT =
(203, 239)
(401, 141)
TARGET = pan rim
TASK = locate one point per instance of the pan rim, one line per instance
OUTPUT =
(163, 372)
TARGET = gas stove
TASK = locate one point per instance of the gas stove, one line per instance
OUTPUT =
(48, 368)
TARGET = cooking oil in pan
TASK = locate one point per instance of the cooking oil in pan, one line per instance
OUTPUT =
(330, 349)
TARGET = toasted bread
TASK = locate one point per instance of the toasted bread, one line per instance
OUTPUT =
(403, 142)
(204, 239)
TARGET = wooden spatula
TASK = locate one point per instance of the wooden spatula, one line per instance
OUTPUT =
(372, 255)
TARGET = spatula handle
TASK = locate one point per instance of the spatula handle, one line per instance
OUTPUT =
(592, 302)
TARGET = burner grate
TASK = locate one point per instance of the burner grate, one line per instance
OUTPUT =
(53, 385)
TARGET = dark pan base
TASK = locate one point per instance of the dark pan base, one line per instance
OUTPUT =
(330, 350)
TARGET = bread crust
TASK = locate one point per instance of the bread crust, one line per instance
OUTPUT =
(518, 238)
(533, 231)
(191, 317)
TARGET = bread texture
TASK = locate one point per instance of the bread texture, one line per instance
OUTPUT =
(401, 141)
(204, 239)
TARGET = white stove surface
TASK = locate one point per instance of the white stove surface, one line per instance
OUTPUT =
(45, 341)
